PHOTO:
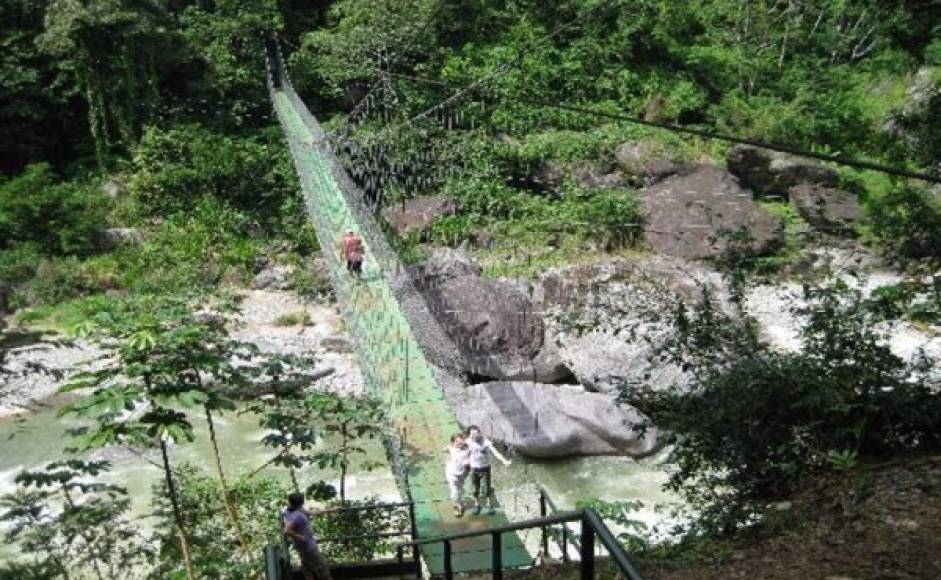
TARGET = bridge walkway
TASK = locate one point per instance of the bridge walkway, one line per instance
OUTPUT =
(393, 365)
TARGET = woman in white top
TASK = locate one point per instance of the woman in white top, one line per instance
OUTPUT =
(456, 469)
(480, 449)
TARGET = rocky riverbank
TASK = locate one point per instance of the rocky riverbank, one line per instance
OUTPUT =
(276, 321)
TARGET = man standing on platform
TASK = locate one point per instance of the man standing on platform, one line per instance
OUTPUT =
(297, 527)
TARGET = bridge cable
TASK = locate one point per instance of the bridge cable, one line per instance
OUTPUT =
(714, 135)
(504, 67)
(401, 54)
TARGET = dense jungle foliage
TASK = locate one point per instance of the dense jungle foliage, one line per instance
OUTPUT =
(139, 158)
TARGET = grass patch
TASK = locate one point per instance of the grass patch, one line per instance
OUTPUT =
(63, 317)
(299, 318)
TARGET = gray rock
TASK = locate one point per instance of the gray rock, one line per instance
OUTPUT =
(610, 318)
(338, 344)
(211, 319)
(417, 214)
(646, 160)
(547, 177)
(770, 173)
(491, 322)
(444, 264)
(606, 363)
(550, 421)
(696, 214)
(113, 188)
(595, 176)
(834, 210)
(274, 276)
(115, 237)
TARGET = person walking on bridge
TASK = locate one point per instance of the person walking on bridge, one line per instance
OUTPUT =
(297, 527)
(352, 250)
(456, 470)
(480, 450)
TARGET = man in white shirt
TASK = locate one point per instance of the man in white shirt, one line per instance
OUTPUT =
(480, 450)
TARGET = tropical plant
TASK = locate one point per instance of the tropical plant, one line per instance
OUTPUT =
(754, 420)
(70, 523)
(347, 423)
(166, 357)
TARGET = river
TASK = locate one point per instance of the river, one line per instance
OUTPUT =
(30, 442)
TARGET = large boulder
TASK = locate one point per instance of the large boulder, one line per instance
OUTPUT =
(700, 213)
(605, 362)
(417, 214)
(551, 175)
(825, 208)
(549, 421)
(770, 173)
(444, 264)
(645, 160)
(491, 322)
(610, 319)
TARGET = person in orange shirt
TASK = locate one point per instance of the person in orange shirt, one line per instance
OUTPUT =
(351, 250)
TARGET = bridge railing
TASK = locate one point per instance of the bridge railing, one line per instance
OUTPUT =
(391, 559)
(593, 531)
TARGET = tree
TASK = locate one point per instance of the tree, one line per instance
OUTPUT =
(172, 358)
(142, 374)
(226, 54)
(73, 525)
(755, 421)
(347, 421)
(38, 96)
(116, 50)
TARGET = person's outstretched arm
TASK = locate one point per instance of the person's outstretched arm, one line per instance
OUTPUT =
(325, 511)
(498, 455)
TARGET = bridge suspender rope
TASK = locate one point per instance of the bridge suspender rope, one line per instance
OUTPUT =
(844, 160)
(393, 365)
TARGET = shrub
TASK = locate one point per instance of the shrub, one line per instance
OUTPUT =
(215, 550)
(300, 318)
(908, 221)
(175, 168)
(58, 218)
(756, 420)
(27, 278)
(193, 250)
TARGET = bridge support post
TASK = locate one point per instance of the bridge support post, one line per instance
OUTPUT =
(543, 512)
(497, 550)
(588, 550)
(448, 567)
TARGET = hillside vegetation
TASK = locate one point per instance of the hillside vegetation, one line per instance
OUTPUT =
(143, 174)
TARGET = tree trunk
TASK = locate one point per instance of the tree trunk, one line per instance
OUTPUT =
(294, 479)
(343, 464)
(230, 508)
(89, 544)
(177, 513)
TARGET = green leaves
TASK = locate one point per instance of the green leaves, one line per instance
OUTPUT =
(754, 421)
(61, 218)
(106, 403)
(71, 523)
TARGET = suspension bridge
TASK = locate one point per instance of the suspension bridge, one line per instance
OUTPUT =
(391, 359)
